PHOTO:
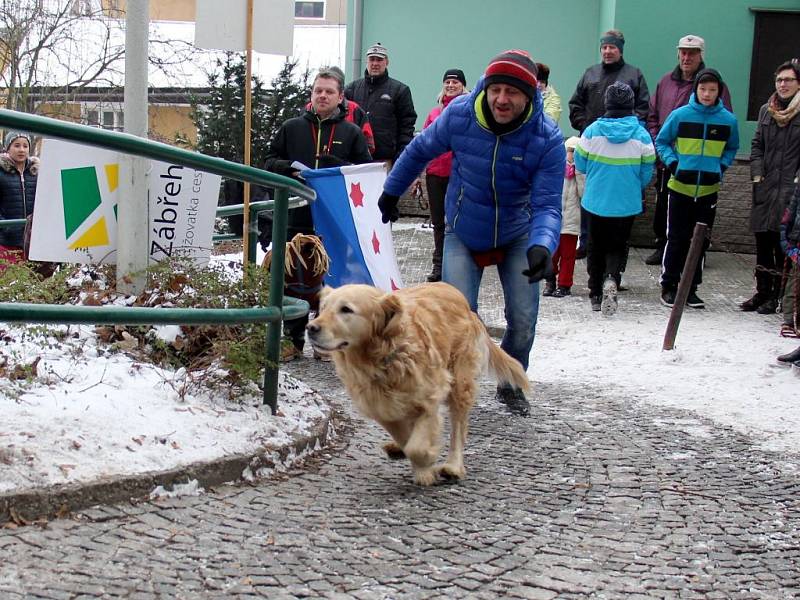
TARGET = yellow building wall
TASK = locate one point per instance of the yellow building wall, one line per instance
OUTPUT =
(167, 122)
(170, 122)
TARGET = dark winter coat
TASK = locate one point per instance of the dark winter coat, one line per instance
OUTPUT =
(588, 102)
(316, 144)
(775, 158)
(501, 186)
(390, 109)
(17, 195)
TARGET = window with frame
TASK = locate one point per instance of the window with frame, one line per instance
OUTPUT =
(105, 117)
(84, 8)
(309, 10)
(775, 41)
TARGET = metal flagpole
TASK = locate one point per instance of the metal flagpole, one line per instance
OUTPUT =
(248, 107)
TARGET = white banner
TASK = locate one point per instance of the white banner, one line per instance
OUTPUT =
(75, 215)
(223, 25)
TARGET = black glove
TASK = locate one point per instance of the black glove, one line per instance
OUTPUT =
(387, 203)
(673, 167)
(283, 167)
(539, 264)
(329, 160)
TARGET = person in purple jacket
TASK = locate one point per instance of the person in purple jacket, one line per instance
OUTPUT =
(503, 201)
(673, 91)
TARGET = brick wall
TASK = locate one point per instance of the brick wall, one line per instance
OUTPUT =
(731, 229)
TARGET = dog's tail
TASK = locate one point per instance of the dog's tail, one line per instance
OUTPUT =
(504, 368)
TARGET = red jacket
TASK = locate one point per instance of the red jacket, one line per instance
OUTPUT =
(442, 164)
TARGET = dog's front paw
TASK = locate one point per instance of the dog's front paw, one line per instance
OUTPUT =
(450, 473)
(425, 477)
(393, 451)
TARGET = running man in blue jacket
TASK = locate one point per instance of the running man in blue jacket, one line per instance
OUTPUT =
(503, 202)
(697, 143)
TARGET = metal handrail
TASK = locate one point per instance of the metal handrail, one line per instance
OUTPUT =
(131, 144)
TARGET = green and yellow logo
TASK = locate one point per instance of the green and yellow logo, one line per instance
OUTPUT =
(84, 225)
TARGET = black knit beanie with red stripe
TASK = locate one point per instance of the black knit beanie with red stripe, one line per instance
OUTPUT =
(513, 67)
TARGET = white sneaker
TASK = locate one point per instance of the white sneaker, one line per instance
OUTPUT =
(608, 306)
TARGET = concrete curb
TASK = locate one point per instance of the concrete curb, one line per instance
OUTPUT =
(58, 501)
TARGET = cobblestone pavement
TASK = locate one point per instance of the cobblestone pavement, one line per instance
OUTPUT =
(590, 497)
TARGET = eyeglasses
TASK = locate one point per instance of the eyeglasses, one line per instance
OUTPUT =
(781, 80)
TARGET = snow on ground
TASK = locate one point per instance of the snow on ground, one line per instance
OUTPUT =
(93, 413)
(723, 366)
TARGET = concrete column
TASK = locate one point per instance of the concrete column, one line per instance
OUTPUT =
(133, 213)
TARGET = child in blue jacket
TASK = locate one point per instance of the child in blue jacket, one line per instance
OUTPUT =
(616, 153)
(697, 143)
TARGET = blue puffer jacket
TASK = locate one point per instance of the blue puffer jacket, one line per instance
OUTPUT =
(501, 187)
(17, 193)
(701, 142)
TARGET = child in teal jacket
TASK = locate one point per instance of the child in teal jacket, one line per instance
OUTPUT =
(616, 153)
(697, 143)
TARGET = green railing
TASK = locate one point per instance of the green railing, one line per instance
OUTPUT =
(131, 144)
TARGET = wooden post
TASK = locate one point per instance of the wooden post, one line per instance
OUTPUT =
(692, 260)
(248, 116)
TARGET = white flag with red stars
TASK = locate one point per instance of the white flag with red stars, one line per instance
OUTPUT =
(347, 218)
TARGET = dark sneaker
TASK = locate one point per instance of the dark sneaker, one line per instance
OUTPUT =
(753, 303)
(668, 298)
(514, 399)
(787, 359)
(655, 258)
(596, 302)
(435, 275)
(608, 306)
(549, 288)
(770, 307)
(694, 301)
(580, 253)
(562, 291)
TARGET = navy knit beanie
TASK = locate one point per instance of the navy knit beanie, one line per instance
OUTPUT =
(619, 98)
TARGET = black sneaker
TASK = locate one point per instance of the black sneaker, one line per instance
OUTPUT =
(609, 303)
(786, 360)
(580, 253)
(694, 301)
(668, 297)
(514, 399)
(549, 288)
(596, 302)
(562, 291)
(655, 258)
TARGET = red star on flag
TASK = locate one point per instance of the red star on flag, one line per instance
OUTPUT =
(356, 195)
(376, 243)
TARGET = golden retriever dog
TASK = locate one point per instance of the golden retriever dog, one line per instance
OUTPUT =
(402, 355)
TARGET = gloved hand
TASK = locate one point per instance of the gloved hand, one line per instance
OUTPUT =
(673, 167)
(329, 160)
(794, 254)
(539, 264)
(283, 167)
(387, 203)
